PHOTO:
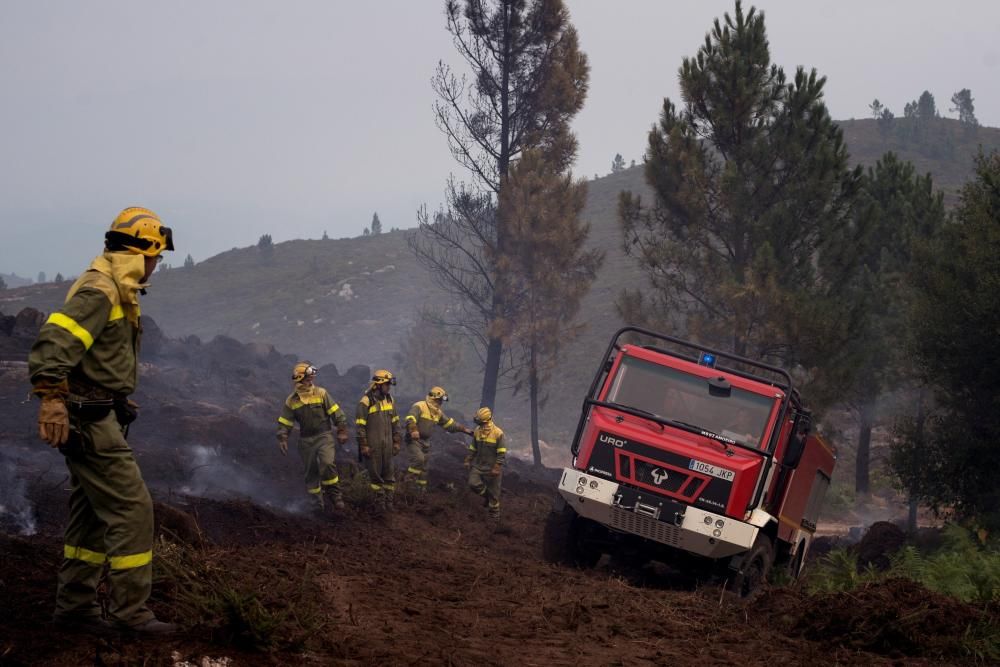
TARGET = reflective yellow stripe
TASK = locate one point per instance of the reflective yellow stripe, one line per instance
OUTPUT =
(384, 406)
(491, 441)
(116, 313)
(449, 423)
(501, 450)
(331, 481)
(316, 490)
(422, 482)
(389, 486)
(86, 555)
(376, 487)
(286, 422)
(472, 448)
(415, 471)
(70, 325)
(333, 409)
(395, 419)
(360, 421)
(411, 418)
(133, 561)
(312, 401)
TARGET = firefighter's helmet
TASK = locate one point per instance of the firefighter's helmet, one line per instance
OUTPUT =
(382, 377)
(437, 394)
(484, 416)
(139, 230)
(303, 371)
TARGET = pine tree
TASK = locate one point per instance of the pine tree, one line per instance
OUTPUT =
(3, 284)
(189, 262)
(752, 186)
(962, 104)
(528, 79)
(876, 108)
(376, 226)
(897, 209)
(618, 164)
(41, 277)
(954, 320)
(59, 277)
(550, 269)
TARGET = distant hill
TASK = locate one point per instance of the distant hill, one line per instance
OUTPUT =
(349, 301)
(13, 280)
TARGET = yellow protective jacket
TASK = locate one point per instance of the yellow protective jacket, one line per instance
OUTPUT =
(424, 415)
(377, 421)
(93, 340)
(488, 446)
(312, 408)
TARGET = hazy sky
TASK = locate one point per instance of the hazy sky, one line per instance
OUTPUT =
(241, 117)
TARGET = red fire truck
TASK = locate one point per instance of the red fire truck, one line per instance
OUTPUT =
(691, 456)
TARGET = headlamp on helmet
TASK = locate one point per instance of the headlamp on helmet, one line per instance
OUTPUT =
(383, 377)
(438, 394)
(303, 371)
(139, 230)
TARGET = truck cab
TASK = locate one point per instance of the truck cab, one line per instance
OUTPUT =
(685, 451)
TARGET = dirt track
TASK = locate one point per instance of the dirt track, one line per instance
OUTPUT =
(432, 584)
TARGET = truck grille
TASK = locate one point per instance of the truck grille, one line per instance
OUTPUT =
(644, 526)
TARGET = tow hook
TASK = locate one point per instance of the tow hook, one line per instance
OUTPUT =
(647, 510)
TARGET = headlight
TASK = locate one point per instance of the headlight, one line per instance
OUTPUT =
(717, 532)
(720, 523)
(593, 483)
(582, 481)
(708, 521)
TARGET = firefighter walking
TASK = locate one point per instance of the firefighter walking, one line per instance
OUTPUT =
(313, 408)
(420, 422)
(485, 461)
(83, 366)
(378, 437)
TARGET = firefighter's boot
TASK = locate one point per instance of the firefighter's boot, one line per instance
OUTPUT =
(334, 496)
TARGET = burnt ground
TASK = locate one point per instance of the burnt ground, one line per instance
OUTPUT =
(432, 583)
(253, 578)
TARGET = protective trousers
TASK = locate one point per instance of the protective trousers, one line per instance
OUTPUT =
(319, 458)
(419, 452)
(381, 474)
(110, 522)
(488, 486)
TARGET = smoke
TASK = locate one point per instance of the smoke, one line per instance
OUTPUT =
(214, 476)
(16, 513)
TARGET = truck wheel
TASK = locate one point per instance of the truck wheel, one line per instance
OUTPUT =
(755, 568)
(561, 539)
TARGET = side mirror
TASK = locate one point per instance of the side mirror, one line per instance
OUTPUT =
(797, 442)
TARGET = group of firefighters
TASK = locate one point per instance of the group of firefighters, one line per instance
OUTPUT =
(83, 367)
(377, 425)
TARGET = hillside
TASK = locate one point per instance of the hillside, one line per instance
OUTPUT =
(349, 301)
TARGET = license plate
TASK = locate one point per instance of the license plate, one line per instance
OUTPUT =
(709, 469)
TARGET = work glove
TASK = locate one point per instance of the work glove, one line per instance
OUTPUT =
(467, 462)
(283, 444)
(414, 434)
(53, 420)
(495, 470)
(395, 443)
(342, 435)
(365, 450)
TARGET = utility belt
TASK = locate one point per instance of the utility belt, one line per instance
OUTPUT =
(92, 404)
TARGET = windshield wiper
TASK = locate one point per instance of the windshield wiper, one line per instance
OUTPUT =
(658, 420)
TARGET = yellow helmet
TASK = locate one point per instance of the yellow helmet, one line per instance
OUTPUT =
(437, 394)
(139, 230)
(302, 371)
(382, 376)
(484, 416)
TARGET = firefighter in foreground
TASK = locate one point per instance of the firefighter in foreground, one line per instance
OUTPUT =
(485, 460)
(313, 408)
(83, 366)
(420, 424)
(378, 437)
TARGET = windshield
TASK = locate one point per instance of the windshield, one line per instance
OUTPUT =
(672, 394)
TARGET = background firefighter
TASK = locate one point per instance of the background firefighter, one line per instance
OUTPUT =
(378, 436)
(485, 460)
(313, 408)
(419, 426)
(83, 366)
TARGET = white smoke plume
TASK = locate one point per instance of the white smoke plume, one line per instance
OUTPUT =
(16, 513)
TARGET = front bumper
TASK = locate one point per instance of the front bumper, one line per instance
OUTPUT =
(654, 517)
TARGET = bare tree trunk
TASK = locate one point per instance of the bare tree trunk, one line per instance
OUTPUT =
(491, 373)
(862, 469)
(911, 523)
(536, 449)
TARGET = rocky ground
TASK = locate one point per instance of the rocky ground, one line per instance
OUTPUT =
(255, 579)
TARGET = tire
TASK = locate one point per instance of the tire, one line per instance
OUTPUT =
(755, 568)
(561, 543)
